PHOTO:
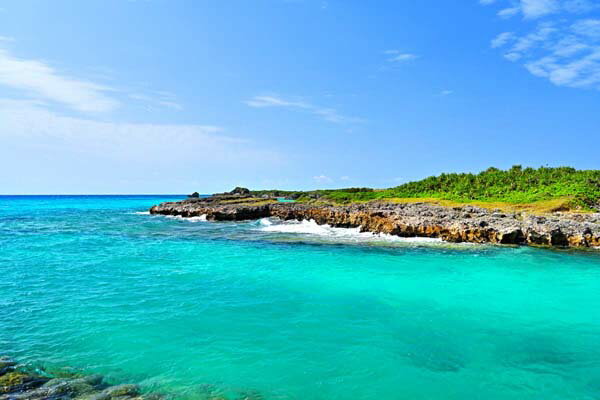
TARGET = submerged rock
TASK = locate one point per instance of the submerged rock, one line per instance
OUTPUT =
(6, 364)
(17, 384)
(16, 381)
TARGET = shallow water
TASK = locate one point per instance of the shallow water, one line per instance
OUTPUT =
(291, 310)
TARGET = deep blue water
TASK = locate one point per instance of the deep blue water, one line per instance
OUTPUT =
(274, 310)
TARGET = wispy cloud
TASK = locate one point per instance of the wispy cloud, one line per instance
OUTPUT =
(322, 179)
(158, 100)
(446, 92)
(563, 46)
(502, 39)
(7, 39)
(533, 9)
(40, 81)
(538, 8)
(508, 12)
(326, 113)
(273, 101)
(144, 142)
(396, 56)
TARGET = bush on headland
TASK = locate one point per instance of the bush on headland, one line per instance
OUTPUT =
(577, 189)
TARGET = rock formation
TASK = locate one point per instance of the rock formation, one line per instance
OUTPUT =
(453, 224)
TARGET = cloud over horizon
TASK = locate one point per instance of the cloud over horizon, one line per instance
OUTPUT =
(169, 150)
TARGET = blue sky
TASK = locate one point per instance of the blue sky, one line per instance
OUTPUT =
(157, 96)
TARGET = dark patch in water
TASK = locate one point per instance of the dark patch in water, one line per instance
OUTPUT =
(537, 351)
(437, 362)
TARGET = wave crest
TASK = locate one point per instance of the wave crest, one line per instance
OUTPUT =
(311, 228)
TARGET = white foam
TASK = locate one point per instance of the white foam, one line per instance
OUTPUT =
(189, 219)
(196, 219)
(265, 222)
(142, 212)
(311, 228)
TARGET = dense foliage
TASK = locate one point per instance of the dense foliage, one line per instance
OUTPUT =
(515, 185)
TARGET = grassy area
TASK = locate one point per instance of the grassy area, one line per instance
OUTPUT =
(538, 207)
(254, 201)
(526, 189)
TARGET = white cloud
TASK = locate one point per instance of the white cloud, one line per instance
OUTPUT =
(40, 81)
(397, 56)
(562, 47)
(580, 6)
(508, 12)
(502, 39)
(580, 73)
(540, 35)
(587, 27)
(6, 39)
(322, 179)
(538, 8)
(534, 9)
(403, 57)
(345, 178)
(446, 92)
(328, 114)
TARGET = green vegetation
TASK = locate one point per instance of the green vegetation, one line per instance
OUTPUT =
(564, 187)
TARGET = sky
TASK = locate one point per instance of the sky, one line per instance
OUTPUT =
(174, 96)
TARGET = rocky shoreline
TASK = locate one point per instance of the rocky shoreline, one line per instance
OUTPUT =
(452, 224)
(20, 383)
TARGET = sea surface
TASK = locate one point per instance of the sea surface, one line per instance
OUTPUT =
(273, 310)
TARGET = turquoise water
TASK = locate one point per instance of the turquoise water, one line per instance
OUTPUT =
(290, 311)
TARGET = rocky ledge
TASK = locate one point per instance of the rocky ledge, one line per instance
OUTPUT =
(19, 383)
(452, 224)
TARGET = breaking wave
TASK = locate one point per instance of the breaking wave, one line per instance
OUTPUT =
(189, 219)
(311, 228)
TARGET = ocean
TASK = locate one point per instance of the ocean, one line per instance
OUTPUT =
(290, 310)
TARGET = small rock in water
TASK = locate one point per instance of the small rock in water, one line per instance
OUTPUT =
(117, 392)
(250, 395)
(6, 361)
(6, 364)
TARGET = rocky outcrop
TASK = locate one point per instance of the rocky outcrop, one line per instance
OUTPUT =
(228, 210)
(453, 224)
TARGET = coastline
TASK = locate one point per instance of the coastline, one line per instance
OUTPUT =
(452, 224)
